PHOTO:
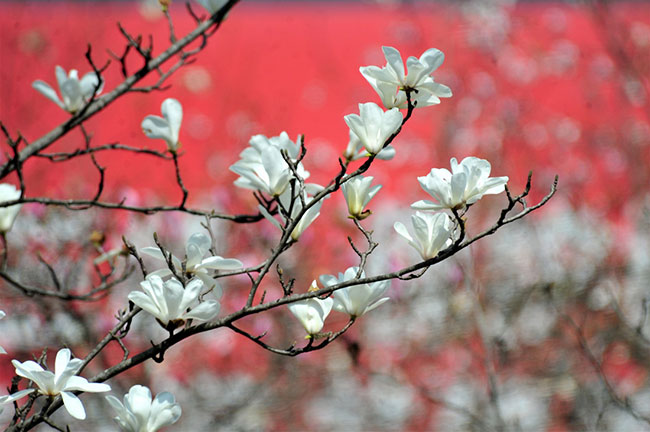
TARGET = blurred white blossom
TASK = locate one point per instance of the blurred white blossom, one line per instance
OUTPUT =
(432, 233)
(465, 184)
(392, 81)
(373, 126)
(63, 381)
(140, 414)
(75, 92)
(166, 127)
(8, 215)
(358, 299)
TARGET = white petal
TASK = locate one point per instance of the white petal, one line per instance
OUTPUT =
(47, 91)
(157, 127)
(173, 112)
(218, 263)
(15, 396)
(205, 311)
(73, 405)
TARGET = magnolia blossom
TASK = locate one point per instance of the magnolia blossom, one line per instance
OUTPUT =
(140, 414)
(2, 315)
(262, 166)
(63, 381)
(75, 92)
(465, 184)
(312, 312)
(169, 302)
(432, 233)
(358, 299)
(392, 81)
(354, 152)
(166, 127)
(373, 126)
(197, 246)
(8, 214)
(212, 6)
(289, 201)
(358, 193)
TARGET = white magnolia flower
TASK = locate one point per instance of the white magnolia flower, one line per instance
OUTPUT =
(465, 184)
(432, 233)
(262, 166)
(140, 414)
(169, 302)
(8, 214)
(75, 92)
(374, 126)
(312, 312)
(391, 81)
(212, 6)
(166, 127)
(2, 315)
(63, 381)
(195, 249)
(296, 207)
(358, 299)
(354, 150)
(358, 193)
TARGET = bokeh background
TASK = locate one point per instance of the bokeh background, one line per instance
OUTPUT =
(542, 326)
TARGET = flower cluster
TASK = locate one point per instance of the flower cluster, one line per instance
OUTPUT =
(467, 182)
(197, 246)
(355, 300)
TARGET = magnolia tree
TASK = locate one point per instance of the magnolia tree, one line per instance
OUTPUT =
(184, 293)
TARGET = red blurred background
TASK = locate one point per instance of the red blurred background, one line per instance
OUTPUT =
(556, 88)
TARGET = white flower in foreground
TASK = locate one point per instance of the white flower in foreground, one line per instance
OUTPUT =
(2, 315)
(75, 92)
(465, 184)
(212, 6)
(8, 214)
(373, 126)
(391, 81)
(358, 299)
(432, 233)
(262, 166)
(140, 414)
(166, 127)
(354, 150)
(312, 312)
(63, 381)
(358, 193)
(198, 244)
(296, 207)
(168, 301)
